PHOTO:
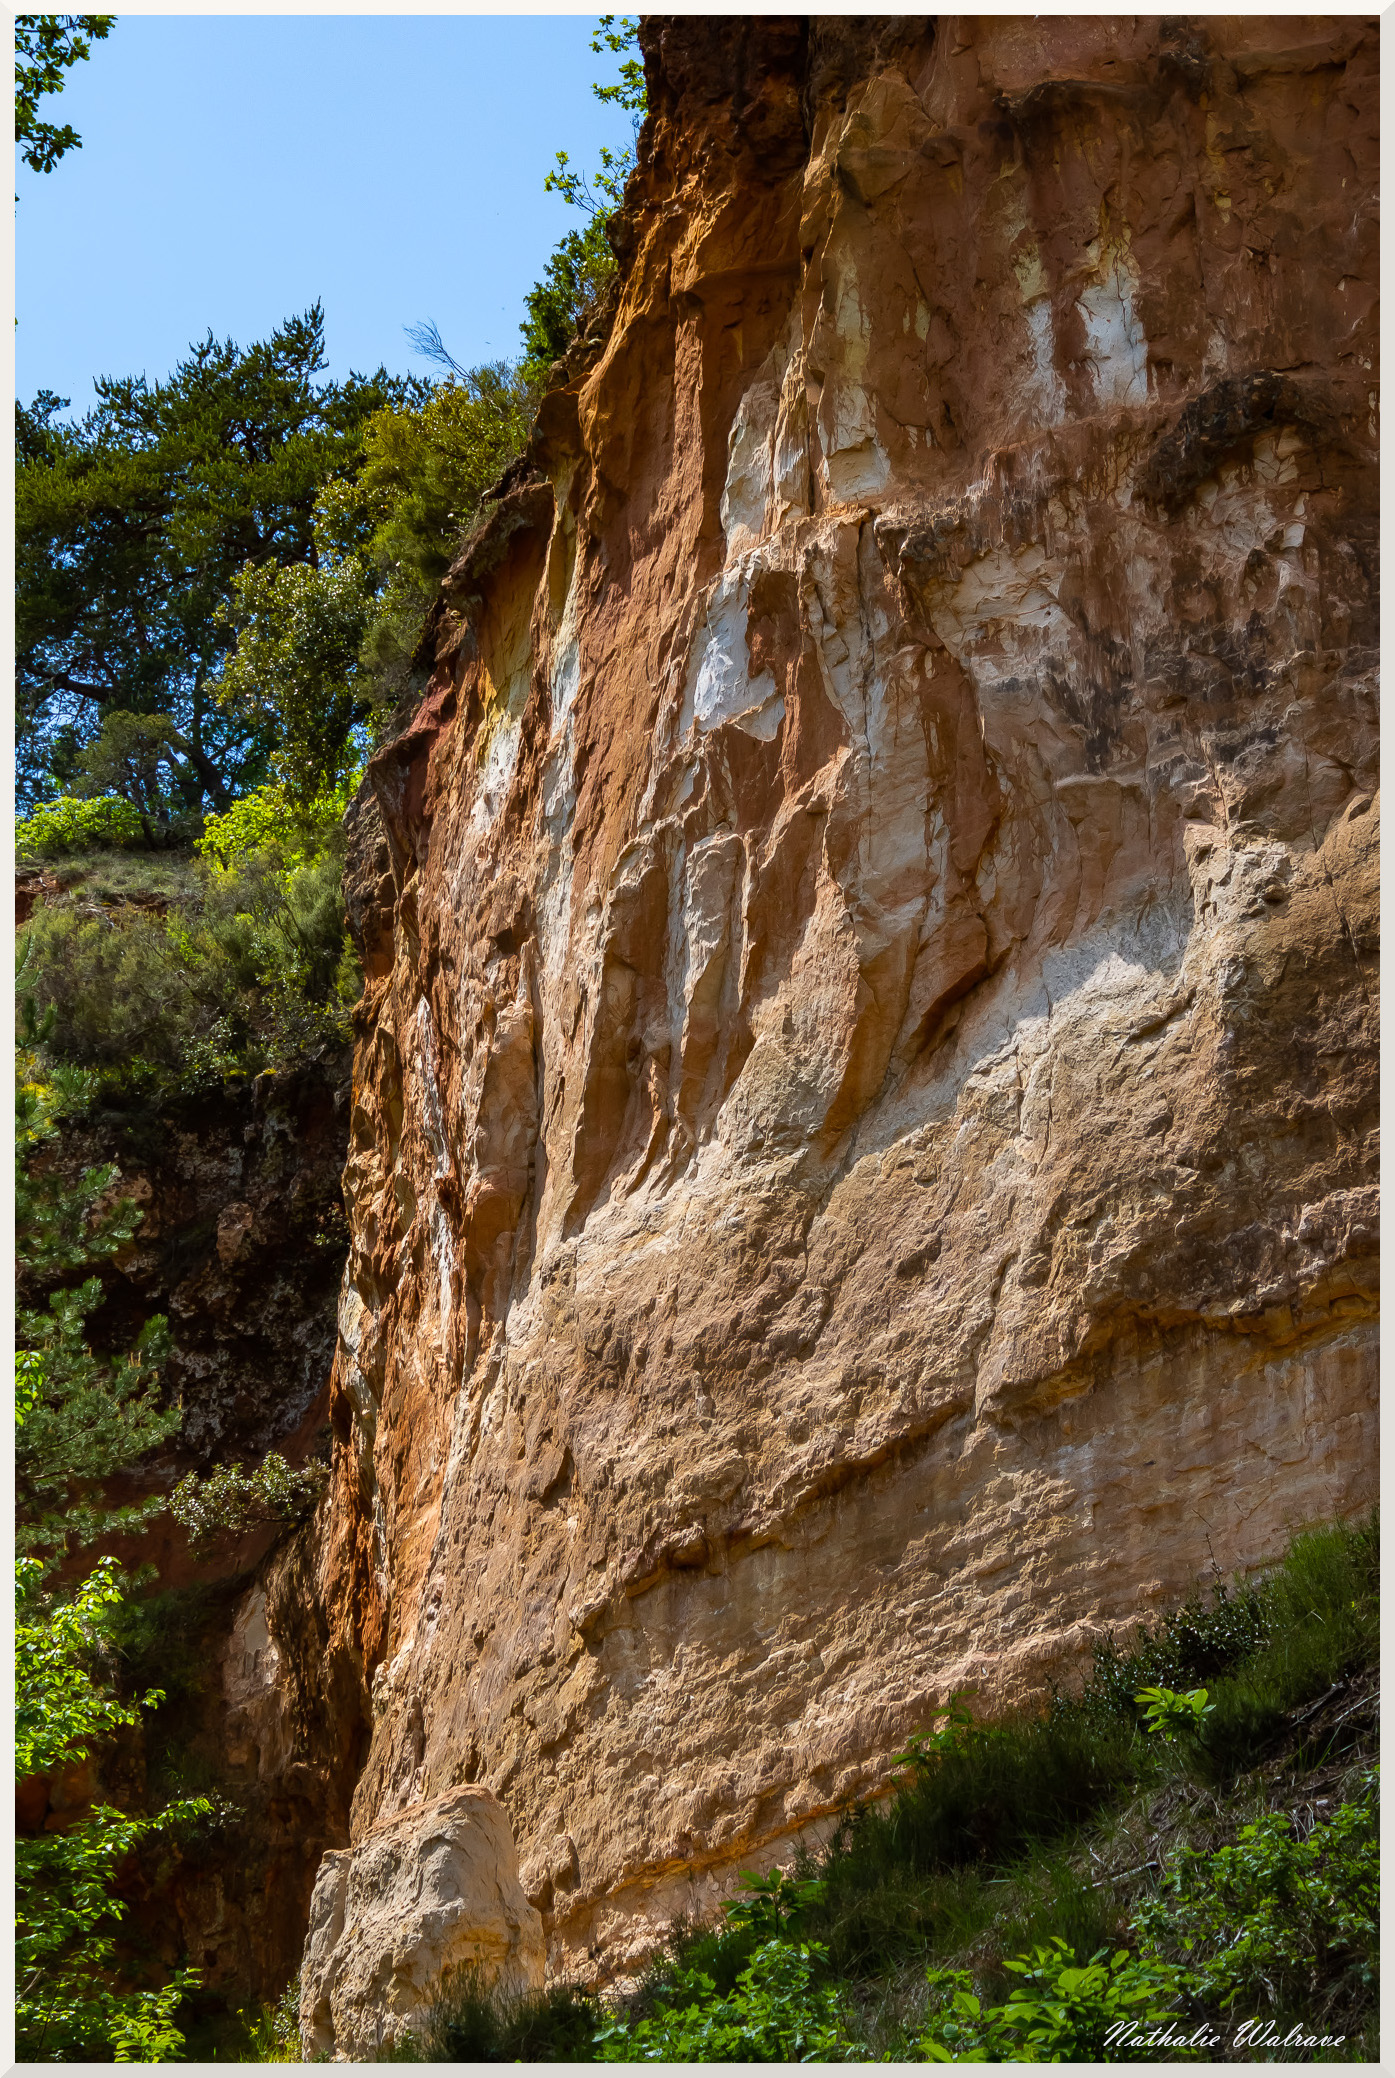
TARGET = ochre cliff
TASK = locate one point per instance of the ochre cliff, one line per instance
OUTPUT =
(862, 1166)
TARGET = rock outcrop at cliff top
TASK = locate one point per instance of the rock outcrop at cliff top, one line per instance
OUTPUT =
(863, 1168)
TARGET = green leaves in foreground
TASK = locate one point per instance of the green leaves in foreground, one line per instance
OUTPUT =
(67, 2004)
(1102, 2011)
(777, 2013)
(1287, 1924)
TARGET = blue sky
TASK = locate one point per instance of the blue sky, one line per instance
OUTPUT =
(235, 167)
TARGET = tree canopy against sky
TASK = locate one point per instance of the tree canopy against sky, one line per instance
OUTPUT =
(131, 527)
(47, 46)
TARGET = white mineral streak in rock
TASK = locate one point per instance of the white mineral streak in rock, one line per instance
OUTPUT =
(393, 1920)
(1116, 346)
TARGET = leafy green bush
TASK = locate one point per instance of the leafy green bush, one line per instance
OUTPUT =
(774, 1905)
(120, 986)
(782, 2010)
(68, 2003)
(80, 1417)
(56, 828)
(1110, 2009)
(923, 1749)
(1285, 1923)
(246, 963)
(272, 2035)
(267, 823)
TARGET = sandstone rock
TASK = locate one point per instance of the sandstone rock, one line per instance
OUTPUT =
(425, 1898)
(870, 1045)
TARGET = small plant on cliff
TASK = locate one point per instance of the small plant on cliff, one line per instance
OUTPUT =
(1170, 1716)
(338, 637)
(232, 1501)
(775, 1904)
(924, 1749)
(69, 2001)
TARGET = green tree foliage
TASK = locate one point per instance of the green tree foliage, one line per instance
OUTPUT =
(601, 194)
(145, 761)
(577, 275)
(58, 1227)
(68, 2003)
(131, 528)
(294, 675)
(222, 578)
(47, 46)
(326, 646)
(233, 1500)
(86, 1417)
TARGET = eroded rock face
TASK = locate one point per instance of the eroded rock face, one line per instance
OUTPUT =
(863, 1165)
(431, 1895)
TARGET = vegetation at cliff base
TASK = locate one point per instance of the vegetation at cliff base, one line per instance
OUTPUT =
(1177, 1864)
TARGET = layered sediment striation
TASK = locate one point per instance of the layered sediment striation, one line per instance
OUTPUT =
(862, 1168)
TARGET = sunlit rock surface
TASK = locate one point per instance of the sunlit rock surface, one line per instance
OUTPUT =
(863, 1163)
(430, 1898)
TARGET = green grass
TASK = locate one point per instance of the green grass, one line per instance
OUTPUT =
(124, 876)
(470, 2024)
